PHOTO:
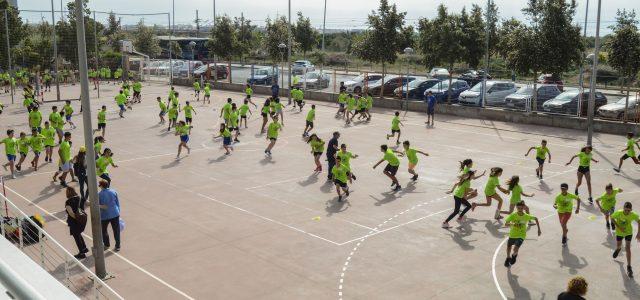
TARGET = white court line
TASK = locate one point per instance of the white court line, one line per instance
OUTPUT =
(183, 294)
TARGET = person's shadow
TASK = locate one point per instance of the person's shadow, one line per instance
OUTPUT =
(519, 292)
(218, 159)
(458, 237)
(493, 227)
(313, 178)
(170, 165)
(571, 261)
(387, 197)
(267, 160)
(610, 242)
(631, 288)
(327, 187)
(333, 206)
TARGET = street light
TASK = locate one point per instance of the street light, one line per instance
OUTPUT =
(282, 47)
(407, 51)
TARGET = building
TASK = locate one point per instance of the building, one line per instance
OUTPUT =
(198, 52)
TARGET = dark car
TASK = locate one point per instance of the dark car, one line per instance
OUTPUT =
(550, 79)
(207, 70)
(441, 90)
(567, 103)
(472, 77)
(264, 76)
(391, 82)
(524, 95)
(416, 88)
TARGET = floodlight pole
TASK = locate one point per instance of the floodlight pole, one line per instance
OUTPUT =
(6, 34)
(594, 73)
(483, 101)
(289, 52)
(96, 227)
(95, 35)
(581, 76)
(55, 48)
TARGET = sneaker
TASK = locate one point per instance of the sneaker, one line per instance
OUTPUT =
(590, 200)
(415, 177)
(13, 176)
(461, 218)
(617, 170)
(339, 198)
(513, 259)
(346, 193)
(116, 249)
(564, 240)
(353, 176)
(393, 183)
(537, 173)
(540, 176)
(84, 251)
(608, 226)
(80, 256)
(576, 191)
(629, 271)
(615, 253)
(507, 262)
(18, 167)
(445, 225)
(398, 187)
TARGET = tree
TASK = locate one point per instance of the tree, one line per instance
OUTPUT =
(223, 38)
(114, 33)
(623, 48)
(16, 31)
(246, 37)
(66, 34)
(383, 39)
(441, 40)
(145, 41)
(176, 50)
(305, 36)
(492, 15)
(474, 34)
(276, 33)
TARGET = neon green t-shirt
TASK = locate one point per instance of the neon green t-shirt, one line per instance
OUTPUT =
(233, 118)
(317, 146)
(226, 133)
(35, 118)
(516, 194)
(163, 106)
(10, 146)
(121, 99)
(23, 145)
(412, 156)
(226, 110)
(248, 91)
(244, 109)
(490, 187)
(585, 159)
(65, 151)
(342, 98)
(49, 136)
(340, 173)
(391, 158)
(345, 157)
(207, 90)
(102, 163)
(395, 123)
(188, 111)
(137, 87)
(351, 103)
(624, 222)
(56, 120)
(68, 110)
(196, 86)
(36, 142)
(272, 131)
(607, 201)
(102, 117)
(311, 115)
(183, 130)
(631, 151)
(518, 227)
(541, 152)
(461, 190)
(564, 203)
(173, 112)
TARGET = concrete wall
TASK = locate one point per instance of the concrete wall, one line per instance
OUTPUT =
(494, 114)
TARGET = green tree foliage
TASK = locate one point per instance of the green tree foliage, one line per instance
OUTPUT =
(17, 31)
(176, 50)
(276, 33)
(113, 32)
(493, 16)
(305, 36)
(66, 34)
(623, 48)
(441, 39)
(224, 38)
(246, 37)
(36, 49)
(383, 39)
(145, 40)
(474, 34)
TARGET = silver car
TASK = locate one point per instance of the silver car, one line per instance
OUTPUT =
(616, 110)
(301, 67)
(314, 80)
(496, 92)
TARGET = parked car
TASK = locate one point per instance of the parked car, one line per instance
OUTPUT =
(314, 80)
(182, 68)
(441, 90)
(472, 77)
(264, 76)
(549, 79)
(357, 84)
(524, 95)
(439, 73)
(302, 66)
(207, 70)
(496, 92)
(416, 88)
(616, 110)
(391, 82)
(567, 102)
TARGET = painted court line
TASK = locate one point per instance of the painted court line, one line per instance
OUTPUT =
(181, 293)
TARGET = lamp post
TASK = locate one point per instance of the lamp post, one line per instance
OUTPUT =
(407, 51)
(594, 73)
(282, 47)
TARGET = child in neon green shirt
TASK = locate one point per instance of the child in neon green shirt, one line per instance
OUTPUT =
(518, 222)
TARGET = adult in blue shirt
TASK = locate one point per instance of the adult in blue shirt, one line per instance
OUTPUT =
(431, 108)
(109, 214)
(275, 90)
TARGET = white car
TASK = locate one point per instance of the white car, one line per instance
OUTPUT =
(615, 110)
(301, 67)
(496, 92)
(357, 84)
(439, 73)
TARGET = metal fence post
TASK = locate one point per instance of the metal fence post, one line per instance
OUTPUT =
(41, 246)
(95, 42)
(6, 33)
(21, 235)
(55, 51)
(66, 272)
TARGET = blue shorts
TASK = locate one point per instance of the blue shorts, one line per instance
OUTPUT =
(11, 157)
(67, 117)
(121, 106)
(430, 110)
(184, 138)
(226, 141)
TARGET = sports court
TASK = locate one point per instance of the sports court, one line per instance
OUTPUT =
(210, 226)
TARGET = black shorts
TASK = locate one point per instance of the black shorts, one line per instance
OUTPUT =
(626, 238)
(234, 128)
(309, 123)
(430, 111)
(188, 120)
(362, 110)
(299, 102)
(583, 170)
(264, 115)
(540, 160)
(102, 125)
(341, 105)
(136, 94)
(395, 130)
(273, 139)
(317, 153)
(243, 117)
(625, 156)
(340, 183)
(391, 169)
(515, 242)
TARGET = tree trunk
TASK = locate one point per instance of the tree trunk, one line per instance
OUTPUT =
(229, 70)
(450, 81)
(626, 102)
(534, 98)
(382, 85)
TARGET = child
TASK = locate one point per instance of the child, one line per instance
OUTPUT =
(462, 193)
(412, 156)
(541, 155)
(97, 146)
(163, 110)
(517, 222)
(392, 166)
(182, 129)
(225, 112)
(624, 222)
(630, 150)
(311, 115)
(340, 177)
(607, 203)
(395, 127)
(351, 106)
(10, 147)
(207, 93)
(346, 156)
(272, 134)
(121, 100)
(233, 122)
(36, 142)
(342, 101)
(431, 108)
(64, 151)
(564, 206)
(490, 192)
(265, 114)
(49, 141)
(516, 194)
(68, 111)
(196, 90)
(56, 122)
(103, 162)
(226, 138)
(173, 116)
(317, 146)
(244, 108)
(188, 113)
(585, 157)
(102, 121)
(278, 109)
(23, 149)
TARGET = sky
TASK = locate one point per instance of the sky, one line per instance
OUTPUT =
(340, 14)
